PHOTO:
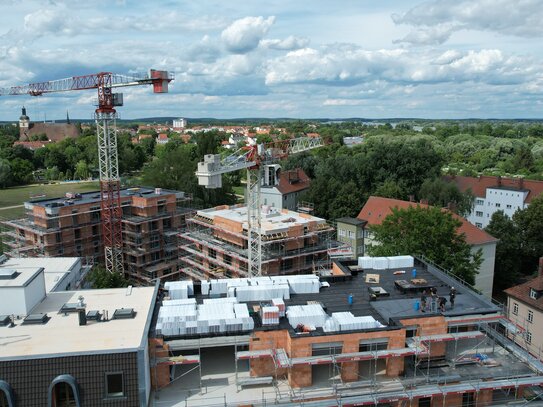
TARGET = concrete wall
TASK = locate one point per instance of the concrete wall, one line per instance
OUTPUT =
(509, 201)
(21, 300)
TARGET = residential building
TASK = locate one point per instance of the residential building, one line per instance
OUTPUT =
(282, 189)
(351, 232)
(179, 124)
(292, 243)
(494, 194)
(352, 336)
(525, 310)
(377, 209)
(162, 138)
(60, 273)
(71, 226)
(75, 348)
(54, 131)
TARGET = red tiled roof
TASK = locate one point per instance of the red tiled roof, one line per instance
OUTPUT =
(293, 181)
(522, 292)
(377, 209)
(163, 136)
(53, 131)
(478, 185)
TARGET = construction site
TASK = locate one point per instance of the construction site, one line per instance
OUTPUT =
(353, 336)
(71, 226)
(216, 242)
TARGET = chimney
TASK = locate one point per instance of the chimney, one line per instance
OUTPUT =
(82, 311)
(499, 179)
(411, 198)
(540, 268)
(424, 201)
(451, 206)
(521, 183)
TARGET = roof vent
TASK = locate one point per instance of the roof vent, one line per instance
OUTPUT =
(124, 313)
(69, 307)
(94, 316)
(8, 274)
(36, 319)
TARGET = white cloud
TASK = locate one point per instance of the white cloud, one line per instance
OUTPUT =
(244, 35)
(434, 21)
(288, 44)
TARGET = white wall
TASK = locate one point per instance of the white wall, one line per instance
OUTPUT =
(506, 200)
(484, 280)
(20, 300)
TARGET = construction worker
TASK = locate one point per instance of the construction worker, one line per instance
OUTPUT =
(452, 296)
(442, 302)
(423, 301)
(433, 303)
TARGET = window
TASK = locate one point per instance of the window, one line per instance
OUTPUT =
(530, 317)
(480, 202)
(533, 294)
(479, 213)
(114, 384)
(479, 225)
(341, 232)
(498, 205)
(212, 253)
(351, 234)
(528, 337)
(508, 206)
(515, 308)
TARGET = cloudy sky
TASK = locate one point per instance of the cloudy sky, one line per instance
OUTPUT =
(279, 58)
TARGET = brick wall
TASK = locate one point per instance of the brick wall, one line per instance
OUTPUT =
(30, 379)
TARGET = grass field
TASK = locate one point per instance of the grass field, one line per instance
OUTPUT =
(12, 199)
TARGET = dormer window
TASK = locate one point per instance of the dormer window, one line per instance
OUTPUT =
(533, 294)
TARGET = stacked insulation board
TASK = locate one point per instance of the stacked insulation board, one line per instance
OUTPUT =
(383, 263)
(217, 315)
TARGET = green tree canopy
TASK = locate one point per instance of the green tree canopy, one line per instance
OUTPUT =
(99, 277)
(507, 265)
(428, 231)
(441, 193)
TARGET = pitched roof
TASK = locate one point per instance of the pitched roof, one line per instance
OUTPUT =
(162, 136)
(377, 209)
(293, 181)
(53, 131)
(31, 145)
(479, 185)
(522, 292)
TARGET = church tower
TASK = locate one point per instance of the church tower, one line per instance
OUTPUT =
(24, 125)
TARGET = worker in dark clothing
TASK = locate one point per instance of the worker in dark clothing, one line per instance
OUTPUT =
(442, 302)
(433, 299)
(423, 301)
(452, 296)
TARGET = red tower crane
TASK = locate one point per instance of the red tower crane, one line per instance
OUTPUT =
(105, 117)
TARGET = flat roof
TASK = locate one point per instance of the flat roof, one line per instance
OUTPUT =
(22, 276)
(55, 268)
(94, 196)
(62, 335)
(273, 220)
(352, 221)
(387, 309)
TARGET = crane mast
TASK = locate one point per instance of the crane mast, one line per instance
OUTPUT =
(252, 159)
(106, 131)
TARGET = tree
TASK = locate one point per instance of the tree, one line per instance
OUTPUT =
(81, 170)
(508, 254)
(390, 189)
(428, 231)
(99, 277)
(530, 227)
(6, 178)
(21, 171)
(439, 192)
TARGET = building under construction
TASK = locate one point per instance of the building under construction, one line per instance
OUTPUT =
(357, 335)
(71, 226)
(292, 243)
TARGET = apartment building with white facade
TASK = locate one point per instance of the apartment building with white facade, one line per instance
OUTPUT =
(493, 194)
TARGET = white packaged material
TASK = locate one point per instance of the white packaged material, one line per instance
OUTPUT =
(311, 314)
(269, 315)
(365, 262)
(205, 287)
(380, 263)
